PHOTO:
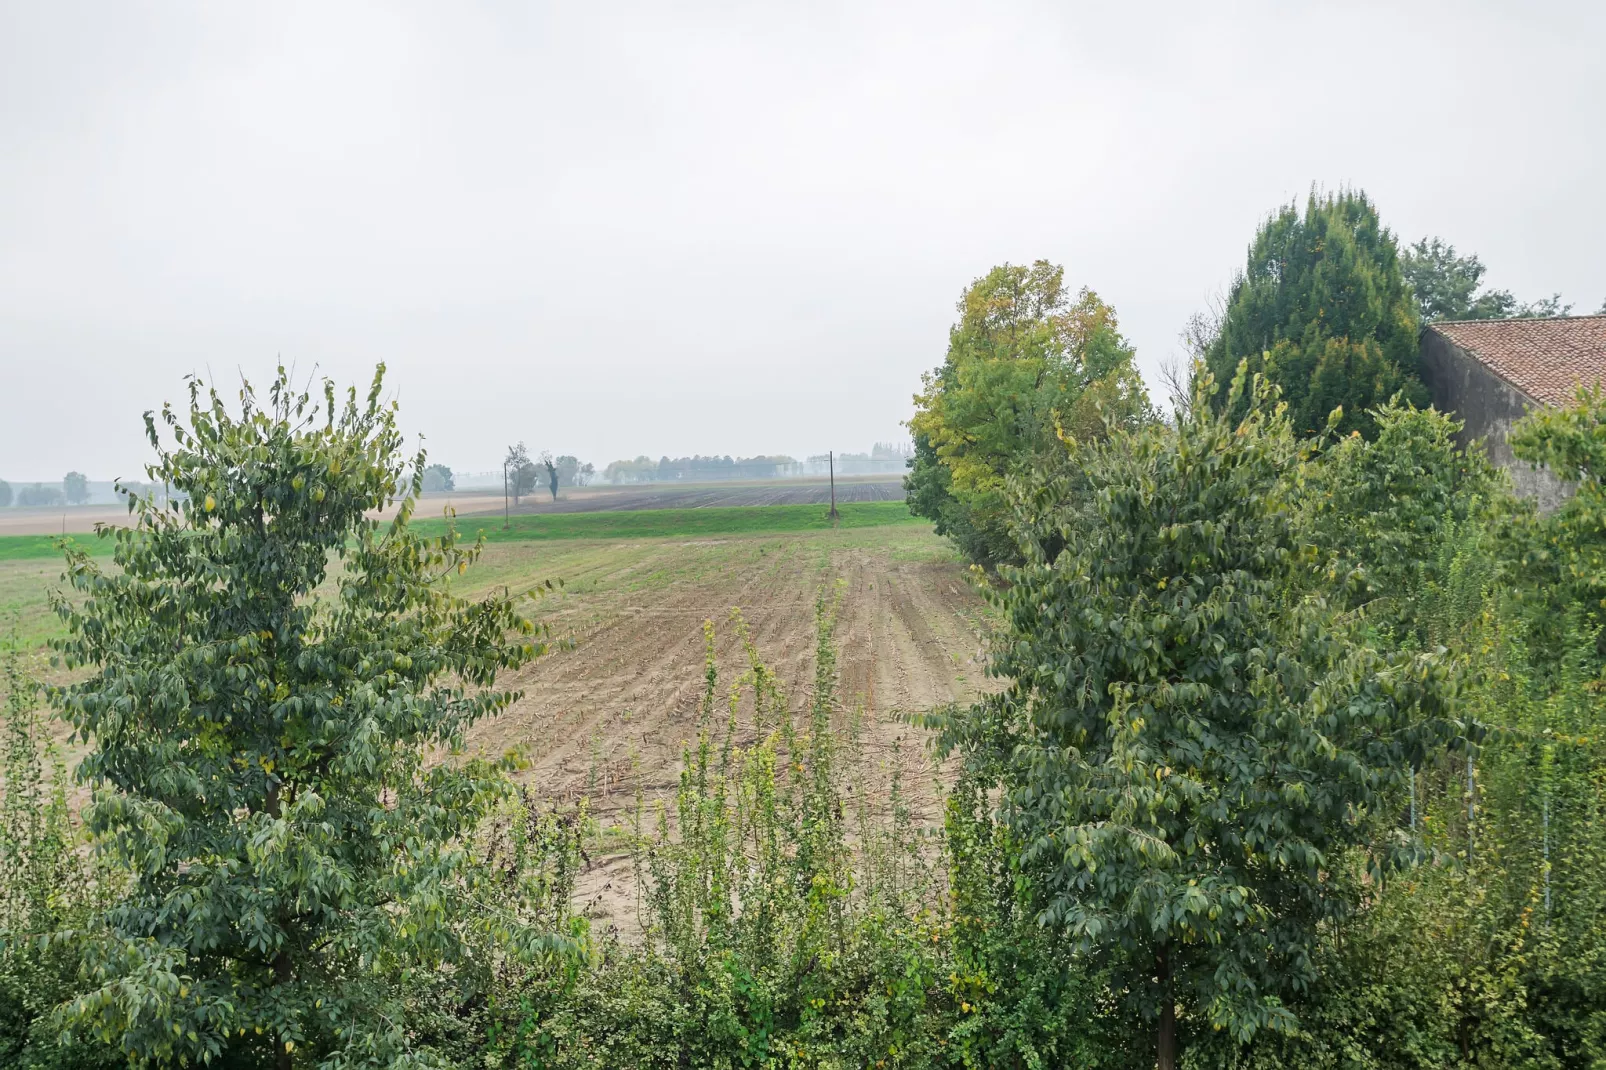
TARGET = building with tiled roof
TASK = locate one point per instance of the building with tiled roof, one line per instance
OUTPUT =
(1491, 372)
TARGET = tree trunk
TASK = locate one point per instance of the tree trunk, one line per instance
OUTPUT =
(1166, 1038)
(282, 975)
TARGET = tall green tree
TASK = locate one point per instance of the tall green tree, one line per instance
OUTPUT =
(1193, 738)
(75, 488)
(1322, 309)
(263, 671)
(5, 494)
(1026, 364)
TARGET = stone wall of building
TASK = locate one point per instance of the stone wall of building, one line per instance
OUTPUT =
(1487, 405)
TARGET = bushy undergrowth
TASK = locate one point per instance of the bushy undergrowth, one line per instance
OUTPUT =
(47, 884)
(788, 925)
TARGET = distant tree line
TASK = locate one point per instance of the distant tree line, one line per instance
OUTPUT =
(524, 474)
(73, 490)
(698, 469)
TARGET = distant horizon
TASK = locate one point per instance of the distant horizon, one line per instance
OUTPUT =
(104, 483)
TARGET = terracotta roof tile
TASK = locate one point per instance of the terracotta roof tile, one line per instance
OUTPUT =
(1544, 358)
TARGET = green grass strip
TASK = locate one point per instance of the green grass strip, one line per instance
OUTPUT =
(33, 547)
(675, 523)
(619, 524)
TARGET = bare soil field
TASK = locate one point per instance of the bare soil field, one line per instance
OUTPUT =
(681, 496)
(607, 721)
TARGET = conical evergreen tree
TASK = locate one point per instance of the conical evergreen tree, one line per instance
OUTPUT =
(1323, 309)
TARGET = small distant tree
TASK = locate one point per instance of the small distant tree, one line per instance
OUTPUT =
(5, 494)
(257, 733)
(437, 478)
(551, 466)
(520, 471)
(75, 488)
(571, 473)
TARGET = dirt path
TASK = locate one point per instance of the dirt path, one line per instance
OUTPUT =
(607, 720)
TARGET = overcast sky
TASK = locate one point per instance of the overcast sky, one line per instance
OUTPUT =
(611, 228)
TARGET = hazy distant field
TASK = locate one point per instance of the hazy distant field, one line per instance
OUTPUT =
(705, 495)
(81, 519)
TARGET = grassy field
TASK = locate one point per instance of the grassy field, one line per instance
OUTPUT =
(614, 524)
(39, 547)
(680, 523)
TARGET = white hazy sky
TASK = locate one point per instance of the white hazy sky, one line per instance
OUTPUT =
(620, 228)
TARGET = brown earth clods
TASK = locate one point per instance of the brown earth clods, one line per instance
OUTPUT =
(607, 720)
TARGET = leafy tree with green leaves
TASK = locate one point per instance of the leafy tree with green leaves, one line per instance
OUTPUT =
(551, 467)
(1446, 287)
(1323, 310)
(265, 668)
(1194, 737)
(5, 494)
(438, 478)
(1386, 508)
(1026, 365)
(1560, 557)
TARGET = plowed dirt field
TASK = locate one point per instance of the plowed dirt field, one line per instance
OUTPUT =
(607, 719)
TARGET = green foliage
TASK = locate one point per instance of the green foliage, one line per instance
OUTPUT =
(1025, 366)
(1446, 285)
(1323, 310)
(1561, 557)
(1492, 954)
(5, 494)
(257, 725)
(928, 491)
(1386, 509)
(1189, 743)
(37, 547)
(787, 925)
(46, 885)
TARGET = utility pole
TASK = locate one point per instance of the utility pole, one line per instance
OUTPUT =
(830, 458)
